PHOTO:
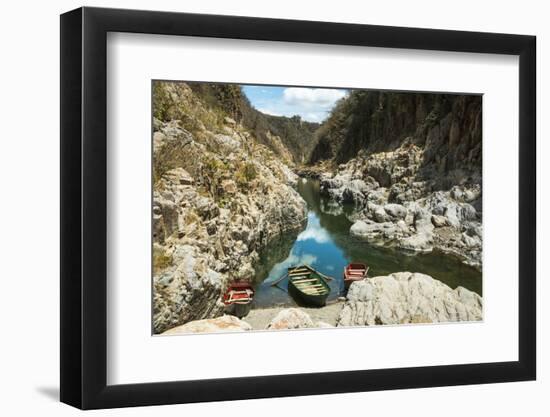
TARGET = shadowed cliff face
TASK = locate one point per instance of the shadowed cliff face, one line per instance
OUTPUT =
(446, 128)
(412, 164)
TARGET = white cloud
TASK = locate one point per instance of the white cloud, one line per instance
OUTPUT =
(268, 111)
(319, 235)
(311, 104)
(293, 260)
(312, 97)
(315, 117)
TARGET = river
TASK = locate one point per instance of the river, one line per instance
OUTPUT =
(326, 245)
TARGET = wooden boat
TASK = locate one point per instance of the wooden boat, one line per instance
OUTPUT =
(238, 298)
(354, 272)
(307, 285)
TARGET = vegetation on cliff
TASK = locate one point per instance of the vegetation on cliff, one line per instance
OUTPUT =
(295, 134)
(219, 196)
(412, 165)
(224, 187)
(446, 127)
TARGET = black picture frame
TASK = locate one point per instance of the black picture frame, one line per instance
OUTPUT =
(84, 207)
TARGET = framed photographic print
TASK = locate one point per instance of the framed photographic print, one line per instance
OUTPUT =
(256, 208)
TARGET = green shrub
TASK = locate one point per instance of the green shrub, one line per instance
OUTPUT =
(246, 173)
(161, 260)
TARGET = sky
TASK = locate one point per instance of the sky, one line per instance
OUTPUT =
(311, 104)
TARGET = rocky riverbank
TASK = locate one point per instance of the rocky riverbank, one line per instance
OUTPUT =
(219, 198)
(411, 163)
(400, 298)
(393, 208)
(224, 180)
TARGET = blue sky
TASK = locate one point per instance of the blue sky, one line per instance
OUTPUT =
(311, 104)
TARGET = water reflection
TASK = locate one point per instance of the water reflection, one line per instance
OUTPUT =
(325, 244)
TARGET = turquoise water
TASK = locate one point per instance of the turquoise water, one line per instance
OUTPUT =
(326, 245)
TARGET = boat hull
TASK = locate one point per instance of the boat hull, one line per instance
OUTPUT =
(310, 300)
(238, 299)
(238, 310)
(354, 272)
(306, 294)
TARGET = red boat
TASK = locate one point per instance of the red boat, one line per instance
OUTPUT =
(354, 272)
(238, 298)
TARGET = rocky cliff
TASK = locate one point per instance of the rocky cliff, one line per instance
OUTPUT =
(290, 138)
(411, 163)
(219, 197)
(445, 127)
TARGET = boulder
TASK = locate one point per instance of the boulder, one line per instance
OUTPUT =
(470, 195)
(159, 139)
(397, 211)
(219, 324)
(206, 208)
(290, 318)
(360, 229)
(378, 196)
(422, 239)
(354, 192)
(419, 242)
(471, 241)
(165, 217)
(379, 214)
(378, 232)
(179, 176)
(406, 297)
(439, 221)
(227, 142)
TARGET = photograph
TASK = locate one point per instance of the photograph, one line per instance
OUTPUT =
(298, 207)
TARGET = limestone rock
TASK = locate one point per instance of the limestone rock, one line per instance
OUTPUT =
(179, 175)
(439, 221)
(290, 318)
(219, 197)
(220, 324)
(159, 139)
(406, 297)
(434, 188)
(420, 242)
(397, 211)
(345, 188)
(360, 229)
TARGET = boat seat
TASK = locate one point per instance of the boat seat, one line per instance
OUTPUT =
(300, 274)
(300, 280)
(311, 286)
(239, 299)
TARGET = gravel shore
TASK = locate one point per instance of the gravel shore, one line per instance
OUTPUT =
(260, 318)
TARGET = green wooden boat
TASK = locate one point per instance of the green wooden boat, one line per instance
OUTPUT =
(305, 284)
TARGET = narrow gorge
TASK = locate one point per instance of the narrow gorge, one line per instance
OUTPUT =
(390, 179)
